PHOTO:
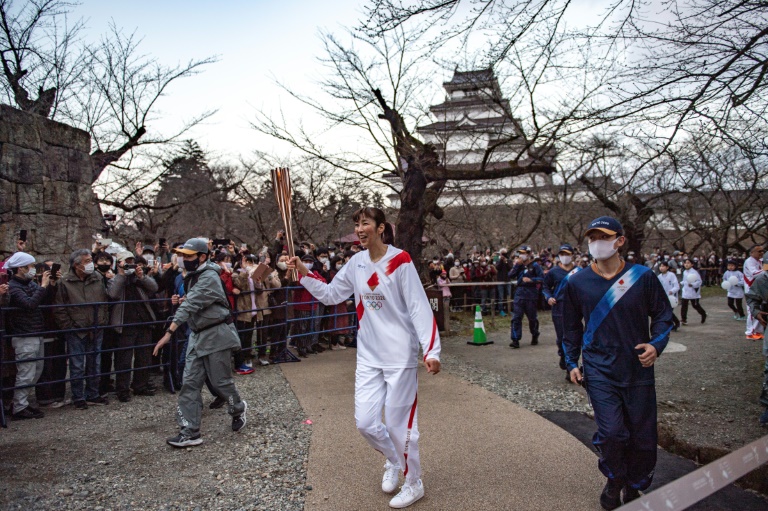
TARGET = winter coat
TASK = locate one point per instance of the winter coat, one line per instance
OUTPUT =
(503, 268)
(205, 309)
(145, 286)
(248, 301)
(73, 290)
(456, 273)
(757, 294)
(26, 296)
(442, 284)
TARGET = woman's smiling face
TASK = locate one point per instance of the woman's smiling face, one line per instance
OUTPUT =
(366, 230)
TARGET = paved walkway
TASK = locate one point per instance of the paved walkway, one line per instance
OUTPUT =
(479, 451)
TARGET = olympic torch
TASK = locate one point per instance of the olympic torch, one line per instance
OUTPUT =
(281, 183)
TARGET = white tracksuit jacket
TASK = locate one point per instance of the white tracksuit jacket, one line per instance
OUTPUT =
(394, 315)
(669, 282)
(691, 290)
(736, 291)
(752, 268)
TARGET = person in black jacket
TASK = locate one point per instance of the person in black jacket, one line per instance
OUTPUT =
(24, 320)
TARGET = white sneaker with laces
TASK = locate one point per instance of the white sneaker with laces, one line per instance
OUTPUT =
(391, 477)
(409, 493)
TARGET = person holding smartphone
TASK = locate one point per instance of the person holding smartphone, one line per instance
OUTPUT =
(24, 322)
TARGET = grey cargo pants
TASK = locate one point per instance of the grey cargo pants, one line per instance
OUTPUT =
(217, 366)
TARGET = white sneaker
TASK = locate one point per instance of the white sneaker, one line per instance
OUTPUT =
(263, 361)
(409, 493)
(390, 479)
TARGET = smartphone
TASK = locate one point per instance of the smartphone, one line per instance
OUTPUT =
(161, 242)
(23, 235)
(4, 278)
(55, 270)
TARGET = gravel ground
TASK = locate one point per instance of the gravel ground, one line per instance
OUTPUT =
(533, 398)
(115, 457)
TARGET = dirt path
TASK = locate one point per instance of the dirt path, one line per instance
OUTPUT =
(480, 452)
(708, 382)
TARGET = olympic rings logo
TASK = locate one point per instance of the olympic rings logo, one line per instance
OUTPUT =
(374, 304)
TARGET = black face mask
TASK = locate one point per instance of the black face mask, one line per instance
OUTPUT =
(191, 265)
(104, 268)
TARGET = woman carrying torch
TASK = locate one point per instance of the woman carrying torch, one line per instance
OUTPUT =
(394, 317)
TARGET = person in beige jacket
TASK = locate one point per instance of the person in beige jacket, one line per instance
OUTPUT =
(253, 312)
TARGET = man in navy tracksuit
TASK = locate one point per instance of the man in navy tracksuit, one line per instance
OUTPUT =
(529, 276)
(554, 291)
(606, 312)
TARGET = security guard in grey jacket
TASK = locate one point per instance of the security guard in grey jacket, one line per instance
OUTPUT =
(206, 310)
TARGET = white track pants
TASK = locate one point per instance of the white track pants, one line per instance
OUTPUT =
(753, 326)
(394, 391)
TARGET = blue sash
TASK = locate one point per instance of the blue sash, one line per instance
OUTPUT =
(611, 298)
(563, 282)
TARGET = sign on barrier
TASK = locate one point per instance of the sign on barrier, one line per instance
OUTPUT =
(703, 482)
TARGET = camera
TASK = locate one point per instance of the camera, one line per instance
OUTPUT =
(110, 218)
(129, 266)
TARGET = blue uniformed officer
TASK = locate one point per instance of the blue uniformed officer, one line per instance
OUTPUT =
(554, 291)
(529, 277)
(606, 322)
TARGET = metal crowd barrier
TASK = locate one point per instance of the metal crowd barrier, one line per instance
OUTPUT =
(169, 361)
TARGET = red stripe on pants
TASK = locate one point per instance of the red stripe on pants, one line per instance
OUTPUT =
(408, 434)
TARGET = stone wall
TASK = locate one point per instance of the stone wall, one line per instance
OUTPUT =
(45, 186)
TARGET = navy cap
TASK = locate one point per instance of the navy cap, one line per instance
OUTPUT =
(565, 247)
(524, 248)
(606, 224)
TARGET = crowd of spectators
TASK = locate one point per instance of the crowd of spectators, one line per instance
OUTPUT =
(94, 320)
(488, 278)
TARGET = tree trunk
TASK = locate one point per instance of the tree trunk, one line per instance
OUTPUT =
(411, 218)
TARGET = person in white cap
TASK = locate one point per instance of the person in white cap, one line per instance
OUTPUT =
(24, 322)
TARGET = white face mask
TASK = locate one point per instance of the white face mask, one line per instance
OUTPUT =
(602, 249)
(566, 259)
(523, 257)
(282, 265)
(88, 268)
(323, 260)
(338, 266)
(457, 264)
(32, 273)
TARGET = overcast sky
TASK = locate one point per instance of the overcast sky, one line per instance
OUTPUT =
(255, 40)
